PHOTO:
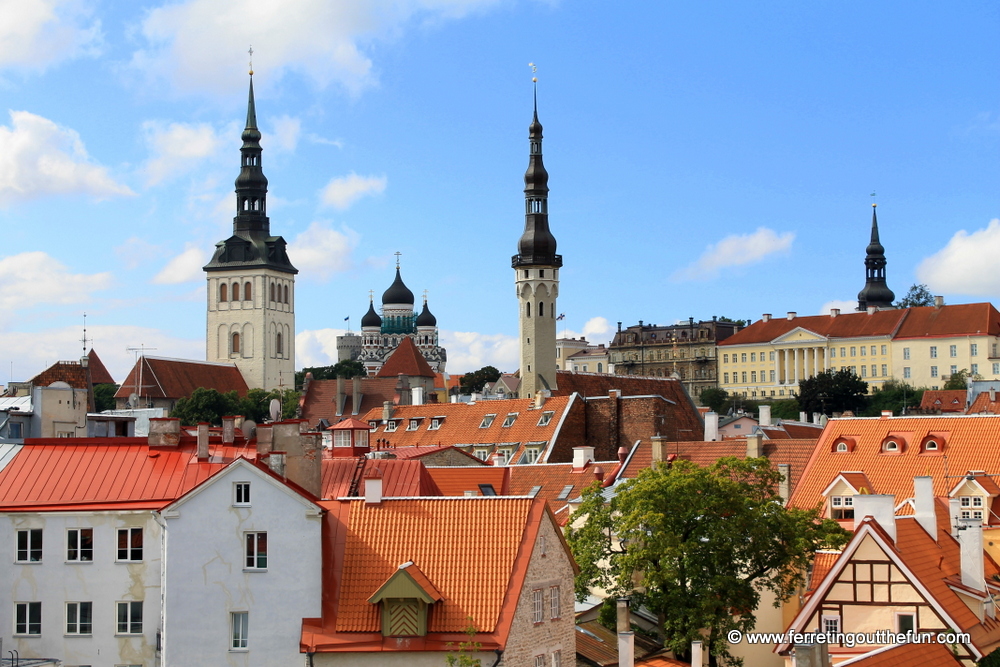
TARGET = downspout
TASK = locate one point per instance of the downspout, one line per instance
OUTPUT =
(498, 651)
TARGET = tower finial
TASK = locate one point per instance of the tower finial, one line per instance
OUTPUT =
(397, 253)
(251, 59)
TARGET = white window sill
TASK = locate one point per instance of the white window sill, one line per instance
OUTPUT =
(255, 569)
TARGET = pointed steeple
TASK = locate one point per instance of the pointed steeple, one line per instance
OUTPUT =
(251, 185)
(537, 246)
(876, 292)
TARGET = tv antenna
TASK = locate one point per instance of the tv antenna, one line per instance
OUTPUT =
(140, 353)
(85, 339)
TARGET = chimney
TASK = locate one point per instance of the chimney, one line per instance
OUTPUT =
(954, 512)
(624, 622)
(276, 462)
(417, 395)
(540, 397)
(886, 414)
(202, 441)
(164, 432)
(834, 312)
(755, 446)
(598, 473)
(303, 454)
(228, 430)
(785, 485)
(938, 301)
(626, 638)
(355, 395)
(993, 395)
(373, 487)
(711, 427)
(338, 401)
(765, 415)
(970, 537)
(811, 655)
(581, 456)
(871, 310)
(263, 439)
(469, 493)
(881, 507)
(498, 458)
(386, 411)
(802, 417)
(766, 317)
(792, 314)
(816, 417)
(659, 448)
(923, 504)
(696, 654)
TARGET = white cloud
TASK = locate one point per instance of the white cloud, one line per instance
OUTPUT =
(844, 306)
(967, 265)
(469, 351)
(316, 347)
(33, 278)
(183, 268)
(35, 351)
(198, 45)
(39, 158)
(177, 148)
(134, 252)
(595, 330)
(323, 251)
(316, 139)
(341, 192)
(284, 135)
(37, 33)
(735, 250)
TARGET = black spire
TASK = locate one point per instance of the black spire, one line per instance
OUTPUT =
(251, 243)
(537, 245)
(876, 292)
(397, 292)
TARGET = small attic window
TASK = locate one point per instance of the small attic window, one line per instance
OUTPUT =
(412, 424)
(509, 421)
(373, 425)
(932, 444)
(435, 424)
(841, 447)
(890, 446)
(893, 444)
(545, 418)
(564, 494)
(487, 421)
(390, 426)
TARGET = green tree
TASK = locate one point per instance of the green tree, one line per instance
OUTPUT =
(716, 399)
(104, 396)
(476, 380)
(698, 546)
(893, 395)
(740, 323)
(463, 658)
(833, 391)
(960, 379)
(206, 405)
(346, 368)
(917, 295)
(787, 408)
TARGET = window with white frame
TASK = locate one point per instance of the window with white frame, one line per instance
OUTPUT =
(509, 420)
(130, 544)
(537, 608)
(953, 350)
(487, 421)
(531, 454)
(554, 607)
(80, 545)
(79, 618)
(412, 424)
(390, 426)
(239, 626)
(830, 623)
(933, 351)
(969, 507)
(539, 661)
(481, 454)
(434, 425)
(862, 350)
(973, 349)
(342, 438)
(545, 418)
(29, 545)
(256, 551)
(906, 353)
(973, 369)
(854, 351)
(241, 493)
(996, 368)
(884, 349)
(885, 370)
(841, 507)
(906, 372)
(557, 658)
(27, 618)
(129, 618)
(934, 371)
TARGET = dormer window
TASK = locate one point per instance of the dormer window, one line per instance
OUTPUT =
(412, 424)
(435, 424)
(930, 445)
(545, 418)
(390, 426)
(841, 507)
(405, 598)
(373, 425)
(509, 421)
(893, 444)
(972, 507)
(487, 421)
(934, 443)
(841, 447)
(890, 446)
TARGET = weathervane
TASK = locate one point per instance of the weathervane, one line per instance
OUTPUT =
(873, 199)
(534, 69)
(251, 59)
(397, 253)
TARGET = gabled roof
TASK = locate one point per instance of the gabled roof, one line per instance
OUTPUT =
(320, 400)
(943, 400)
(971, 442)
(958, 320)
(983, 405)
(847, 325)
(177, 378)
(406, 360)
(421, 452)
(399, 478)
(98, 372)
(855, 479)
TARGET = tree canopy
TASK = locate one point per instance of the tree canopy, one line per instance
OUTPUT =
(894, 395)
(698, 546)
(960, 379)
(211, 405)
(346, 368)
(833, 391)
(917, 295)
(104, 396)
(476, 380)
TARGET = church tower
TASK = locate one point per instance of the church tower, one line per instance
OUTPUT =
(536, 275)
(876, 292)
(251, 282)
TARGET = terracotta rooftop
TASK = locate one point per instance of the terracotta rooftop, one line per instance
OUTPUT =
(320, 400)
(177, 378)
(98, 372)
(70, 372)
(847, 325)
(399, 478)
(599, 646)
(983, 405)
(455, 481)
(559, 482)
(661, 660)
(906, 655)
(958, 320)
(406, 360)
(421, 452)
(971, 442)
(943, 400)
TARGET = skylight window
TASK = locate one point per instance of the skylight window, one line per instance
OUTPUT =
(487, 421)
(545, 418)
(564, 494)
(509, 421)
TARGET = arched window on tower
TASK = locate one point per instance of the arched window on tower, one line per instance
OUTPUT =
(541, 309)
(223, 292)
(277, 345)
(246, 204)
(256, 204)
(272, 291)
(236, 344)
(527, 309)
(236, 292)
(286, 293)
(248, 291)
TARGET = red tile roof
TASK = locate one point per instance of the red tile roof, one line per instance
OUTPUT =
(98, 372)
(943, 400)
(177, 378)
(983, 405)
(847, 325)
(320, 400)
(907, 655)
(421, 452)
(70, 372)
(455, 481)
(399, 478)
(971, 442)
(946, 321)
(406, 360)
(559, 482)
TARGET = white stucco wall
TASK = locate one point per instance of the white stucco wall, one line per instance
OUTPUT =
(206, 580)
(103, 581)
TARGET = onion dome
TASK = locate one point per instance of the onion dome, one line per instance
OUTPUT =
(371, 318)
(397, 292)
(425, 318)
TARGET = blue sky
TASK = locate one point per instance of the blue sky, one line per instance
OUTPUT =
(704, 158)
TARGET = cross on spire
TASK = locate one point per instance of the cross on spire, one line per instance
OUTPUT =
(251, 59)
(397, 254)
(425, 297)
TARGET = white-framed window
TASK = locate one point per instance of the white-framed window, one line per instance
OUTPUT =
(770, 356)
(256, 551)
(753, 356)
(481, 454)
(996, 368)
(841, 507)
(933, 351)
(830, 623)
(509, 420)
(934, 371)
(854, 351)
(725, 358)
(537, 608)
(864, 370)
(434, 425)
(906, 372)
(29, 545)
(841, 446)
(974, 369)
(373, 425)
(743, 357)
(80, 545)
(953, 350)
(890, 446)
(129, 618)
(557, 658)
(931, 446)
(873, 350)
(79, 618)
(885, 370)
(238, 624)
(27, 618)
(874, 371)
(973, 349)
(555, 610)
(390, 426)
(539, 661)
(487, 421)
(725, 378)
(545, 418)
(862, 350)
(129, 544)
(906, 353)
(971, 501)
(531, 454)
(412, 424)
(342, 438)
(885, 349)
(241, 493)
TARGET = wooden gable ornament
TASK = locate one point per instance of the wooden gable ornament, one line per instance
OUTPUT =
(405, 597)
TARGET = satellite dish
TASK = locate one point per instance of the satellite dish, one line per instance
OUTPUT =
(133, 399)
(275, 409)
(249, 428)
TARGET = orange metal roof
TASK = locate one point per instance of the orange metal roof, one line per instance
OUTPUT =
(455, 481)
(971, 442)
(176, 378)
(407, 360)
(90, 473)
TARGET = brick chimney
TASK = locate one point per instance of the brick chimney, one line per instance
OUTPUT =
(202, 441)
(264, 441)
(164, 432)
(303, 454)
(228, 430)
